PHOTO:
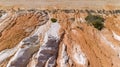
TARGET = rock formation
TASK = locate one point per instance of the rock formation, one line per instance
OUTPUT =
(28, 38)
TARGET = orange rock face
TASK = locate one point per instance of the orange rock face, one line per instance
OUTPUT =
(30, 39)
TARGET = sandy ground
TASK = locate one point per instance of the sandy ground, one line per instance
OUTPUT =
(60, 3)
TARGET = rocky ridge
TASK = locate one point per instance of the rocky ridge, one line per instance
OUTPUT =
(28, 38)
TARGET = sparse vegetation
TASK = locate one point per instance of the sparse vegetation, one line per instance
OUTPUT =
(73, 19)
(0, 14)
(53, 20)
(95, 20)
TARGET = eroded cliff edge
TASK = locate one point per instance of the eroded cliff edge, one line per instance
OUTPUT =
(28, 38)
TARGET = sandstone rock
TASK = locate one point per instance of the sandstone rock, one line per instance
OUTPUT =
(30, 39)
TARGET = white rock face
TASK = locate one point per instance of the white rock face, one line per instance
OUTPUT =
(22, 56)
(117, 37)
(82, 20)
(9, 52)
(103, 38)
(115, 48)
(64, 57)
(48, 51)
(3, 16)
(79, 56)
(27, 47)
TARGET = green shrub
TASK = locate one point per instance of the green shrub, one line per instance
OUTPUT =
(96, 21)
(0, 14)
(53, 20)
(98, 25)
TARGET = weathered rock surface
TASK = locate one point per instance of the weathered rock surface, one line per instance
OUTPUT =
(28, 38)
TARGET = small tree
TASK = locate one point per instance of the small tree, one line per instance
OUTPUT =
(95, 20)
(53, 20)
(0, 14)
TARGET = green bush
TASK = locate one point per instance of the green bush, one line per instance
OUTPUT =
(53, 20)
(0, 14)
(95, 20)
